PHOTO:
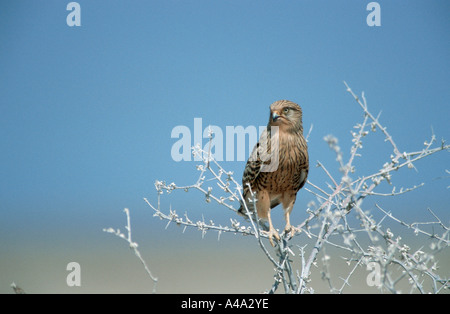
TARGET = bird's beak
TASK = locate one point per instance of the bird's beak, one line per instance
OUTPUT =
(275, 116)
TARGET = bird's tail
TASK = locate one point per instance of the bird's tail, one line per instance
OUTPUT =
(243, 211)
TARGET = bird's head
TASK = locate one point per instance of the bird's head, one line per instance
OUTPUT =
(286, 115)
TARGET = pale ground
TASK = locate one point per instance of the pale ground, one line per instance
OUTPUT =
(183, 263)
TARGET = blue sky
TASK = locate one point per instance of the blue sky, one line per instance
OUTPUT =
(86, 112)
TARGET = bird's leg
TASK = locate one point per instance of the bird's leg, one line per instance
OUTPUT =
(272, 232)
(289, 228)
(263, 207)
(288, 204)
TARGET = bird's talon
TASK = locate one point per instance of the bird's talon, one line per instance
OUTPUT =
(272, 233)
(291, 231)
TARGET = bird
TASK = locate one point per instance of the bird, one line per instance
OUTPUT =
(277, 168)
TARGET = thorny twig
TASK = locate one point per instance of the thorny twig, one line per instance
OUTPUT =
(133, 246)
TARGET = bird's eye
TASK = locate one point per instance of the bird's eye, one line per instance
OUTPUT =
(286, 110)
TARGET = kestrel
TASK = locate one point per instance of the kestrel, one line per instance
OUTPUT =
(278, 166)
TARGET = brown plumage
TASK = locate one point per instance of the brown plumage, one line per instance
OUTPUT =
(278, 166)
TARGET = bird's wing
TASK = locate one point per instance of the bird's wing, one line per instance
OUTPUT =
(251, 172)
(259, 156)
